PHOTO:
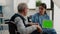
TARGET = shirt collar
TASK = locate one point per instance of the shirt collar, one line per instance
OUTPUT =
(22, 15)
(42, 15)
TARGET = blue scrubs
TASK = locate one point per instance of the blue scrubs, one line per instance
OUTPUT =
(37, 18)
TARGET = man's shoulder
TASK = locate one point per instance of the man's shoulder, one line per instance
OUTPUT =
(17, 16)
(18, 19)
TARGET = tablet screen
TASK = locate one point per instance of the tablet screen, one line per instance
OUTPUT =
(47, 24)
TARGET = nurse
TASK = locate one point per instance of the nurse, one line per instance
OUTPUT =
(40, 16)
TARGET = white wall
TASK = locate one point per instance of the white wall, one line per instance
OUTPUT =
(30, 3)
(57, 19)
(8, 9)
(2, 2)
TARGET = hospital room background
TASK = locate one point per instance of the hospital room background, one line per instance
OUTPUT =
(9, 7)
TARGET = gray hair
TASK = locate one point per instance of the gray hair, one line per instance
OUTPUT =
(21, 7)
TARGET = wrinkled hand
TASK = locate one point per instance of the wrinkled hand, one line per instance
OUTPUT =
(33, 23)
(36, 24)
(39, 28)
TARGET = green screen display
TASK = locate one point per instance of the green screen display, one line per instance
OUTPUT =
(47, 24)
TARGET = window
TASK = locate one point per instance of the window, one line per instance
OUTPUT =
(32, 4)
(1, 15)
(48, 3)
(0, 9)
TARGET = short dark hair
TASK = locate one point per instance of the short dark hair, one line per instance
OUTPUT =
(21, 7)
(43, 5)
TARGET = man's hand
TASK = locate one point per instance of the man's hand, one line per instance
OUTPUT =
(39, 28)
(33, 23)
(37, 25)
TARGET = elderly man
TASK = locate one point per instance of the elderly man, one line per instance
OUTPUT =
(20, 21)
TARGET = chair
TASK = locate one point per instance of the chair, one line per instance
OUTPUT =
(12, 27)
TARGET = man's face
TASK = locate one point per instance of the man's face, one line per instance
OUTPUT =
(41, 10)
(25, 11)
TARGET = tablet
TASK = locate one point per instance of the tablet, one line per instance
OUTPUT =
(47, 24)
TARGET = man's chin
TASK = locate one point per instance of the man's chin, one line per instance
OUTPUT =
(24, 15)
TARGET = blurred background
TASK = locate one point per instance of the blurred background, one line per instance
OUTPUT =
(9, 7)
